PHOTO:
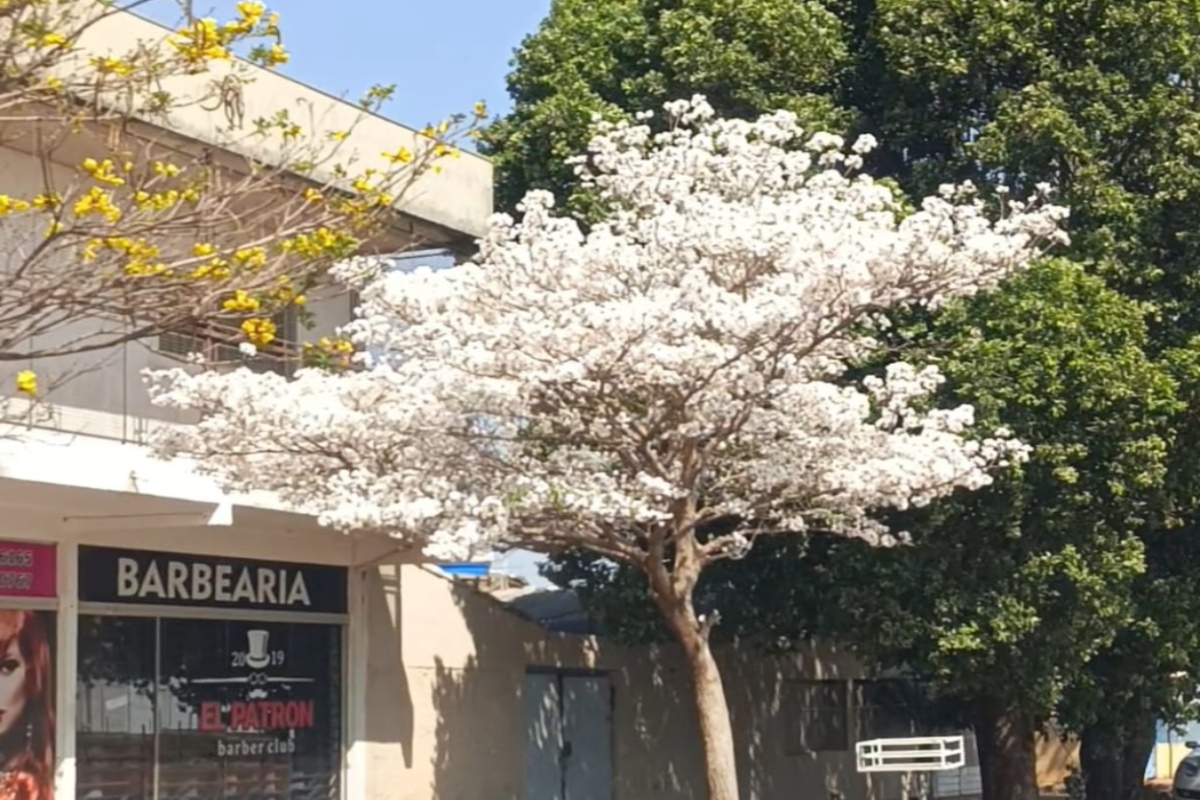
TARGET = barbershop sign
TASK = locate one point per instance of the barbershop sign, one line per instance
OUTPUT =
(111, 575)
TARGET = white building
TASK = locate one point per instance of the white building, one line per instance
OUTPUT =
(171, 640)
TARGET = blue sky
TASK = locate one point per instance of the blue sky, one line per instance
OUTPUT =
(443, 56)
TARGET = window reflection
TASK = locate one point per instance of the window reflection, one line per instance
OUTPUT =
(115, 701)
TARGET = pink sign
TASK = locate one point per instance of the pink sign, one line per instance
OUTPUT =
(28, 570)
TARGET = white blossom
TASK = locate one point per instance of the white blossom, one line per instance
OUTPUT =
(682, 361)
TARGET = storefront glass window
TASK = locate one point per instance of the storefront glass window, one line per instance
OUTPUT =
(114, 708)
(233, 710)
(248, 710)
(192, 706)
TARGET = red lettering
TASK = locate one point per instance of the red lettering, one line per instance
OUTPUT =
(237, 716)
(304, 717)
(262, 715)
(210, 716)
(275, 714)
(252, 716)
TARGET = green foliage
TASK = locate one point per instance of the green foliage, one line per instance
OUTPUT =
(1098, 99)
(1027, 587)
(618, 57)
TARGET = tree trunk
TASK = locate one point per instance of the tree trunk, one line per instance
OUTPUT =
(672, 593)
(1004, 736)
(1100, 761)
(1135, 752)
(1114, 761)
(712, 714)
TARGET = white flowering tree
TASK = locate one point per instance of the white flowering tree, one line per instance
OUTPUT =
(659, 390)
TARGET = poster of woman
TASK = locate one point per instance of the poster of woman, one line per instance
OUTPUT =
(26, 705)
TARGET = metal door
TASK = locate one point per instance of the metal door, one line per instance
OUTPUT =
(543, 737)
(587, 737)
(568, 737)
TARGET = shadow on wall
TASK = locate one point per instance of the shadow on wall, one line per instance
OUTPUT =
(390, 713)
(467, 699)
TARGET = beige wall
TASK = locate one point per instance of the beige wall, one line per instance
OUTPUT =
(444, 721)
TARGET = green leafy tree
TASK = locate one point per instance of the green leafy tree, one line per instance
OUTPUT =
(618, 57)
(1099, 99)
(1009, 600)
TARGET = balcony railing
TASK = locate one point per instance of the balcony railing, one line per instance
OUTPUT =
(220, 344)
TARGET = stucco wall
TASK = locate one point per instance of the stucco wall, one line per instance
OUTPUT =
(445, 720)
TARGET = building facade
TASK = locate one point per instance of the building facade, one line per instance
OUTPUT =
(162, 639)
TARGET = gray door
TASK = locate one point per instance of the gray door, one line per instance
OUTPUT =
(568, 737)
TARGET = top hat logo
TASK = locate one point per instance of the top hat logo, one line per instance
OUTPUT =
(256, 649)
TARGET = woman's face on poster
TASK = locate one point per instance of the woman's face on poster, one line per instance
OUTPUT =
(12, 686)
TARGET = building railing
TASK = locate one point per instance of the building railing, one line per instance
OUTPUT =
(220, 344)
(127, 417)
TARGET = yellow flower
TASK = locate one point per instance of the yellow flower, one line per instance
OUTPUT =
(10, 204)
(274, 56)
(51, 39)
(401, 156)
(53, 83)
(203, 249)
(260, 332)
(250, 11)
(320, 242)
(299, 300)
(96, 201)
(251, 257)
(27, 381)
(241, 302)
(480, 110)
(201, 42)
(47, 202)
(90, 250)
(313, 196)
(102, 171)
(165, 169)
(106, 65)
(339, 136)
